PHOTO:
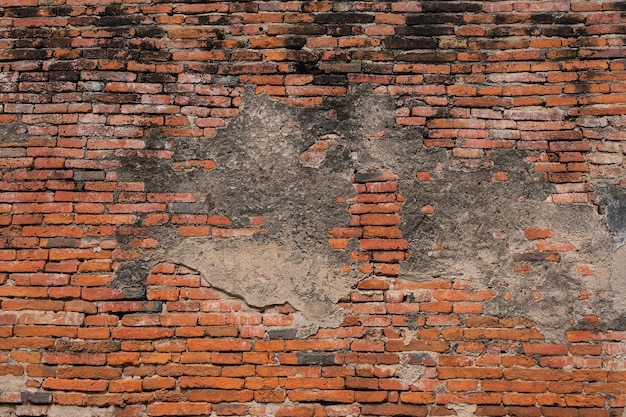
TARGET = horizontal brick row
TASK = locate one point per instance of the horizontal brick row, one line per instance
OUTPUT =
(242, 359)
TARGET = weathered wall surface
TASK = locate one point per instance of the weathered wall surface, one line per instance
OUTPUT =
(324, 208)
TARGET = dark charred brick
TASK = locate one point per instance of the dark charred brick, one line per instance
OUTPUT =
(64, 75)
(560, 31)
(450, 6)
(428, 57)
(118, 98)
(144, 45)
(106, 53)
(294, 42)
(57, 42)
(20, 33)
(156, 78)
(424, 30)
(439, 79)
(74, 65)
(112, 10)
(536, 256)
(25, 54)
(33, 76)
(301, 56)
(344, 30)
(301, 30)
(83, 20)
(22, 12)
(344, 18)
(307, 68)
(373, 55)
(421, 359)
(28, 43)
(314, 6)
(501, 44)
(330, 79)
(339, 57)
(508, 19)
(62, 242)
(542, 18)
(310, 358)
(410, 43)
(37, 397)
(80, 175)
(371, 176)
(376, 68)
(434, 19)
(150, 32)
(569, 19)
(161, 56)
(203, 68)
(562, 54)
(244, 7)
(507, 31)
(62, 10)
(618, 5)
(282, 334)
(61, 345)
(112, 21)
(219, 20)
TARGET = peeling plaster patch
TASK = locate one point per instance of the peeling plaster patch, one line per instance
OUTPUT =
(463, 410)
(12, 383)
(279, 275)
(63, 411)
(410, 374)
(260, 171)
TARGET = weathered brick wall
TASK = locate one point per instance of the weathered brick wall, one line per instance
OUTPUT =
(312, 208)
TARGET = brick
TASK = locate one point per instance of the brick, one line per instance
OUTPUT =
(145, 333)
(394, 410)
(75, 385)
(178, 409)
(384, 244)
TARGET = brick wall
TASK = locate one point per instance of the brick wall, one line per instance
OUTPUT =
(86, 86)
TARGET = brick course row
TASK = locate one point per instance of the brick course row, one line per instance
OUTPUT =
(191, 349)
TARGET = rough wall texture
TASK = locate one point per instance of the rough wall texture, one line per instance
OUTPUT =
(312, 208)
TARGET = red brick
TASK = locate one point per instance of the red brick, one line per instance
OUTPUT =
(75, 384)
(179, 409)
(390, 409)
(144, 333)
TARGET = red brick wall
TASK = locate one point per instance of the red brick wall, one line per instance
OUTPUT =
(84, 83)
